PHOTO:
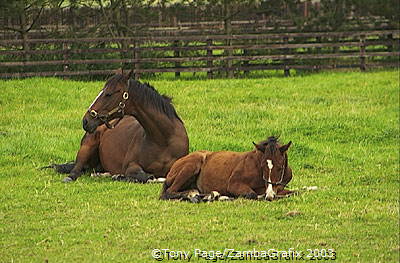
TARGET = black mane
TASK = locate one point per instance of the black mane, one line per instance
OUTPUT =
(271, 144)
(147, 94)
(114, 80)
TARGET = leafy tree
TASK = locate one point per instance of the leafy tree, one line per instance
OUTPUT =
(27, 14)
(389, 9)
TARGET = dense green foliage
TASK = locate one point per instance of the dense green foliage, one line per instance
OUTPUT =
(345, 132)
(112, 18)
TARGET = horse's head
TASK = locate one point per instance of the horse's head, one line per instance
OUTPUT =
(274, 163)
(109, 104)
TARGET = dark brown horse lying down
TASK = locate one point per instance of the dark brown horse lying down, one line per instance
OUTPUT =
(263, 171)
(141, 146)
(103, 150)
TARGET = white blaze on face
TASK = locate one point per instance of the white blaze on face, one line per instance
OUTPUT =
(101, 92)
(270, 165)
(269, 193)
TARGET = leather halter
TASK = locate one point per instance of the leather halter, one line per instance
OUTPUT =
(106, 118)
(267, 181)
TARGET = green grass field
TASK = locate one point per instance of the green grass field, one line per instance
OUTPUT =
(345, 132)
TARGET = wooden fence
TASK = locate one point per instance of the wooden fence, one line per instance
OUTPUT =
(200, 53)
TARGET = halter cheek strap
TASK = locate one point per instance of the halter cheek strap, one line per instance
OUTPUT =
(106, 118)
(268, 181)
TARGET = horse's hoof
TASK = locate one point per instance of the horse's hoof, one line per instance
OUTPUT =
(142, 177)
(211, 197)
(118, 177)
(208, 198)
(224, 198)
(215, 195)
(269, 198)
(261, 197)
(157, 180)
(67, 180)
(193, 193)
(161, 180)
(195, 199)
(250, 196)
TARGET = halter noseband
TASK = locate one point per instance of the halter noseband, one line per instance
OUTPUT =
(268, 181)
(106, 118)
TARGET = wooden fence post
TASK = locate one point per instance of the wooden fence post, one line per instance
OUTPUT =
(285, 62)
(319, 40)
(362, 53)
(390, 44)
(65, 48)
(136, 54)
(209, 55)
(177, 55)
(246, 62)
(176, 44)
(335, 49)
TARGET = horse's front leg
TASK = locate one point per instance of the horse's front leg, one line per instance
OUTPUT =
(237, 186)
(239, 189)
(133, 173)
(87, 152)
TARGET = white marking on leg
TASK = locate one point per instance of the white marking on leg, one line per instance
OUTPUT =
(193, 193)
(215, 195)
(224, 198)
(101, 92)
(157, 180)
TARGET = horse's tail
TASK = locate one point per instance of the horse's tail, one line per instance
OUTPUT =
(64, 168)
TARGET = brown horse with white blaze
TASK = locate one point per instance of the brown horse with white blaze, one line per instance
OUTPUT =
(140, 147)
(263, 171)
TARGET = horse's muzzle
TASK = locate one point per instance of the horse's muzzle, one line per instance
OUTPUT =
(90, 125)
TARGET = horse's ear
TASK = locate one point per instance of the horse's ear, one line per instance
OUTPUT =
(285, 147)
(260, 148)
